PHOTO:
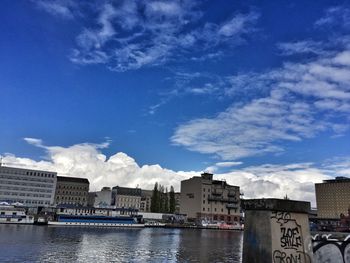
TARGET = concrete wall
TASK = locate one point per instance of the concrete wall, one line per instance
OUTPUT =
(276, 230)
(191, 197)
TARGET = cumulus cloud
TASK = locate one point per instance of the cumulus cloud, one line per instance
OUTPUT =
(86, 160)
(301, 101)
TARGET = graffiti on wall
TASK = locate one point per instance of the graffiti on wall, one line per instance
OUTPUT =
(287, 239)
(330, 248)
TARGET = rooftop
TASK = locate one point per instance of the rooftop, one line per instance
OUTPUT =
(72, 179)
(338, 179)
(127, 191)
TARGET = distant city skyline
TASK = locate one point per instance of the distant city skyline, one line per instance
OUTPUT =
(137, 92)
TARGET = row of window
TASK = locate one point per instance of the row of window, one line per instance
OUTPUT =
(24, 189)
(71, 193)
(125, 199)
(222, 210)
(24, 178)
(25, 194)
(73, 187)
(70, 198)
(32, 173)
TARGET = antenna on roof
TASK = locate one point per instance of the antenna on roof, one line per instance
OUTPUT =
(0, 160)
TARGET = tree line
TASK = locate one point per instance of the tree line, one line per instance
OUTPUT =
(163, 201)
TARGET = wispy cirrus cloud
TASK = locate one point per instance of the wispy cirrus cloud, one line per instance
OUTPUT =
(301, 47)
(128, 35)
(335, 16)
(61, 8)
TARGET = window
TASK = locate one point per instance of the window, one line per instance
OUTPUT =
(203, 209)
(203, 201)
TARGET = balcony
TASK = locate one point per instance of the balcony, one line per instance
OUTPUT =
(216, 192)
(215, 198)
(231, 194)
(231, 206)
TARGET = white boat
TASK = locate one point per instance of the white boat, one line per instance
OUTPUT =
(154, 224)
(10, 214)
(222, 225)
(94, 217)
(233, 226)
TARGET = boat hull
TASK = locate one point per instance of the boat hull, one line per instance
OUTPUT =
(95, 224)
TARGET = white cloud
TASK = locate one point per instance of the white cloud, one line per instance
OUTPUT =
(86, 160)
(304, 99)
(130, 34)
(59, 8)
(238, 24)
(228, 164)
(299, 47)
(335, 16)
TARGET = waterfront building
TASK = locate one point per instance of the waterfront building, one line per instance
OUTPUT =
(146, 200)
(125, 197)
(177, 203)
(27, 186)
(205, 199)
(103, 198)
(72, 190)
(333, 197)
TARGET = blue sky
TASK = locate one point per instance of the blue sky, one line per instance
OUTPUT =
(186, 85)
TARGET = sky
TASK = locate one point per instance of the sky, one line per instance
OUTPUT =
(131, 92)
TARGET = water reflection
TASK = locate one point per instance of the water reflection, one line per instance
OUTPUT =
(74, 244)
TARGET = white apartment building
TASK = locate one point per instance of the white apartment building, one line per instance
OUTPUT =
(27, 186)
(124, 197)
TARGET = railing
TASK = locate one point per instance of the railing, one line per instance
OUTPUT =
(215, 198)
(231, 206)
(222, 199)
(331, 247)
(231, 194)
(217, 192)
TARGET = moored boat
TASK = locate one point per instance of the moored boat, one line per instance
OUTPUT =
(87, 216)
(10, 214)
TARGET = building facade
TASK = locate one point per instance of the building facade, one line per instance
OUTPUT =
(124, 197)
(177, 203)
(333, 197)
(72, 191)
(203, 198)
(26, 186)
(146, 200)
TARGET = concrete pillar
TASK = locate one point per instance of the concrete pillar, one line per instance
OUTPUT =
(276, 230)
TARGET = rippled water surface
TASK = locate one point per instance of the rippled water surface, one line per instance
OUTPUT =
(20, 243)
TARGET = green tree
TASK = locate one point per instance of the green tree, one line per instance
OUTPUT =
(155, 199)
(166, 201)
(172, 200)
(161, 198)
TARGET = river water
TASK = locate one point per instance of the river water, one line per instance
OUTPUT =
(21, 243)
